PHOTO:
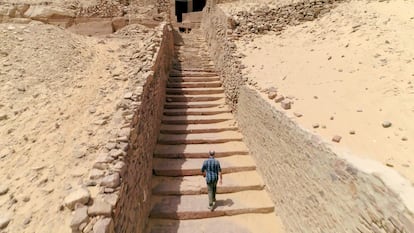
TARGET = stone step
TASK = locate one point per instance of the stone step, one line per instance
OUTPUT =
(195, 65)
(192, 74)
(199, 84)
(189, 57)
(199, 128)
(194, 98)
(192, 167)
(194, 91)
(196, 111)
(204, 119)
(200, 47)
(192, 44)
(184, 105)
(184, 58)
(194, 79)
(244, 223)
(204, 68)
(194, 185)
(200, 150)
(193, 49)
(195, 206)
(199, 138)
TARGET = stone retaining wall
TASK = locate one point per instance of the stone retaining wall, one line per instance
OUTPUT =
(122, 171)
(215, 26)
(260, 18)
(134, 205)
(313, 189)
(224, 23)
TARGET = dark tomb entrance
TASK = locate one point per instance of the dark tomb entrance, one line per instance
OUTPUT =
(198, 5)
(187, 6)
(180, 8)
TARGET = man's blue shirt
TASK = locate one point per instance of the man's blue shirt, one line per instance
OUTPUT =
(212, 168)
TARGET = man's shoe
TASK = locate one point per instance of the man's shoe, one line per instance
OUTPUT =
(210, 207)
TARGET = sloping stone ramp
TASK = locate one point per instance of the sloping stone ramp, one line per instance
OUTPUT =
(196, 120)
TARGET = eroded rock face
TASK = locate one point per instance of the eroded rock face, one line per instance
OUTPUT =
(40, 11)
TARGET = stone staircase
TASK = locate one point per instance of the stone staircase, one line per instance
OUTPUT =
(195, 121)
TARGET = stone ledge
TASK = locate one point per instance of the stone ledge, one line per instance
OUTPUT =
(103, 211)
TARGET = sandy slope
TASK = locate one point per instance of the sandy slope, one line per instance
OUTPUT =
(348, 71)
(58, 97)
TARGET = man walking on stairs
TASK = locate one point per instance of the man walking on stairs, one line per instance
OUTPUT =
(212, 172)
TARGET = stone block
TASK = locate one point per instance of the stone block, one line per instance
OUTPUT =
(103, 226)
(118, 23)
(78, 196)
(279, 98)
(79, 216)
(93, 28)
(111, 181)
(100, 208)
(286, 104)
(336, 138)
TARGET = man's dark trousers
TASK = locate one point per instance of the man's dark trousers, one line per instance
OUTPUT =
(212, 188)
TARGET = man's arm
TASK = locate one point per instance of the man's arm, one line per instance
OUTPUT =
(203, 169)
(220, 174)
(221, 178)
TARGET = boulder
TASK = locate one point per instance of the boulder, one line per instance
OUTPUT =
(78, 196)
(118, 23)
(103, 226)
(111, 181)
(80, 216)
(100, 208)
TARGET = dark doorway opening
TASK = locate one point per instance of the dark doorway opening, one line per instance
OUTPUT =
(182, 6)
(198, 5)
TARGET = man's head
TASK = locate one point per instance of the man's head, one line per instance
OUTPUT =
(212, 153)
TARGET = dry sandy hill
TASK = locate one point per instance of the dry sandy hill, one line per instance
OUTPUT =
(347, 73)
(59, 100)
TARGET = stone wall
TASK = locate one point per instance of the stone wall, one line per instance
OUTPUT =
(313, 189)
(215, 26)
(225, 21)
(122, 171)
(134, 205)
(275, 16)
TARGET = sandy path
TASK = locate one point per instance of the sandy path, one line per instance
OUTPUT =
(348, 71)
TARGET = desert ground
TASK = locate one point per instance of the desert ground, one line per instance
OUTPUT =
(347, 73)
(60, 95)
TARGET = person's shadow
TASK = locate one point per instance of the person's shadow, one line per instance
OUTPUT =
(227, 202)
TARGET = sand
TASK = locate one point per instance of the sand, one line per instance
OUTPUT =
(350, 70)
(58, 105)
